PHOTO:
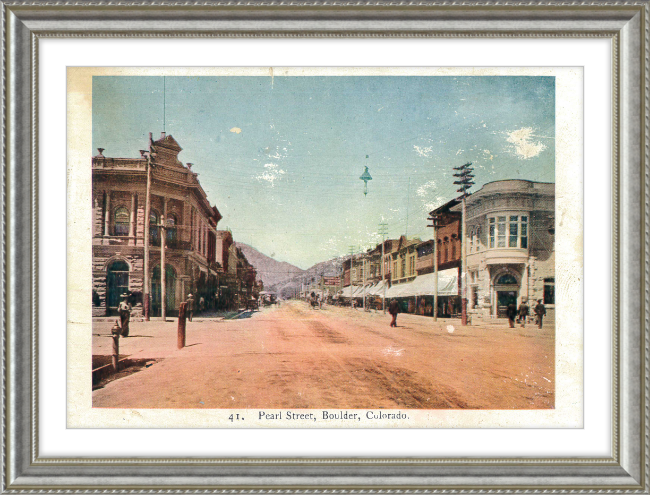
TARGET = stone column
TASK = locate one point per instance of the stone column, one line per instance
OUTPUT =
(196, 231)
(107, 212)
(97, 219)
(186, 233)
(205, 240)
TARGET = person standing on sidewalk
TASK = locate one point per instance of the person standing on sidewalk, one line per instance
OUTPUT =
(540, 311)
(393, 309)
(523, 313)
(124, 310)
(190, 306)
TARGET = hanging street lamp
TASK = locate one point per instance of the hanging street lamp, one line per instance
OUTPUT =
(365, 177)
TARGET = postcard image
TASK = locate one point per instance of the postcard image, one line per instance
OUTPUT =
(327, 248)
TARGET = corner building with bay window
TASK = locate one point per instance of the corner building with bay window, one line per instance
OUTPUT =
(510, 246)
(177, 201)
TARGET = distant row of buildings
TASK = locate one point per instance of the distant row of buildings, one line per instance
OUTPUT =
(510, 246)
(199, 258)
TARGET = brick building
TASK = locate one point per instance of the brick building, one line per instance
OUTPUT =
(178, 202)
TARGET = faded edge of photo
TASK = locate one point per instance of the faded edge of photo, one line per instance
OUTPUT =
(569, 385)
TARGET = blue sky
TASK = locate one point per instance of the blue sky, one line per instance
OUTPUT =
(281, 157)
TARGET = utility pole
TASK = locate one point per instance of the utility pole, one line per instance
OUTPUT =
(351, 258)
(435, 224)
(465, 176)
(146, 302)
(383, 230)
(363, 261)
(163, 274)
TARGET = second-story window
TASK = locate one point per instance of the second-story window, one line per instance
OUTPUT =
(509, 231)
(121, 221)
(171, 228)
(154, 230)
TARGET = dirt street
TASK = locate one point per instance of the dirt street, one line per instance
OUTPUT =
(296, 357)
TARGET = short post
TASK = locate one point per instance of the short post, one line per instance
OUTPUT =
(116, 331)
(181, 324)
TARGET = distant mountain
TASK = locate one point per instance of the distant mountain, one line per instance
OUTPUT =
(270, 271)
(292, 285)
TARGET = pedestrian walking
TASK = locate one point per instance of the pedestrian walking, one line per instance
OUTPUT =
(511, 311)
(190, 306)
(201, 304)
(540, 311)
(124, 310)
(523, 313)
(393, 309)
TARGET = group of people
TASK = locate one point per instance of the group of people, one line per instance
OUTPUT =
(191, 306)
(316, 300)
(521, 313)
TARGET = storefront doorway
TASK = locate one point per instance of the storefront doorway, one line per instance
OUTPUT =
(504, 298)
(507, 291)
(117, 282)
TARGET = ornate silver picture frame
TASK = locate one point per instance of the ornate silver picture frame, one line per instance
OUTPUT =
(624, 24)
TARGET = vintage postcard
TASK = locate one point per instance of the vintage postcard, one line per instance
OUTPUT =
(323, 247)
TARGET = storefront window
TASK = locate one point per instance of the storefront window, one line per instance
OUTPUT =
(549, 291)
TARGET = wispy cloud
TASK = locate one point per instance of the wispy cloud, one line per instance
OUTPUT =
(427, 193)
(422, 151)
(426, 189)
(523, 145)
(271, 173)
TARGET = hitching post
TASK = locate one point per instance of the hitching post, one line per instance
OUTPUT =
(116, 330)
(181, 324)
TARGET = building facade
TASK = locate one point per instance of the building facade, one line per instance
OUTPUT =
(510, 246)
(179, 211)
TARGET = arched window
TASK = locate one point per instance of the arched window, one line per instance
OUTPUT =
(121, 221)
(171, 229)
(507, 279)
(154, 234)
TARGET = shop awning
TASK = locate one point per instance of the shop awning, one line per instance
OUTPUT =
(423, 285)
(345, 292)
(377, 289)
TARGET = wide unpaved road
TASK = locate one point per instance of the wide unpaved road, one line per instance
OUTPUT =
(295, 357)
